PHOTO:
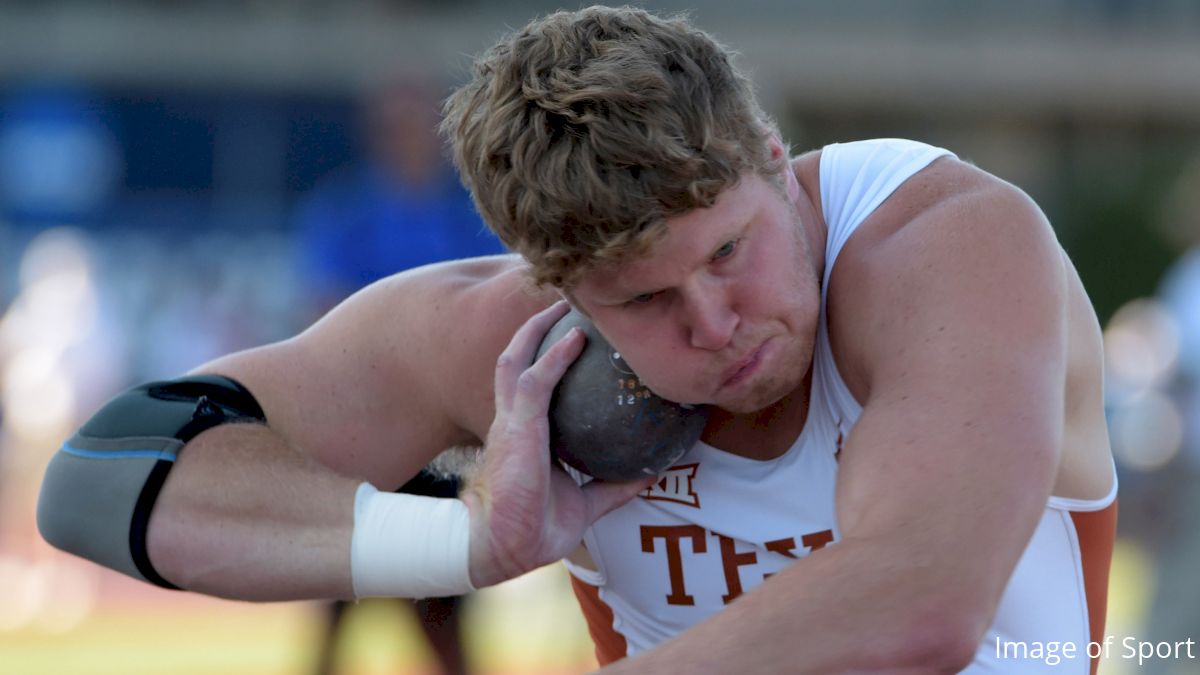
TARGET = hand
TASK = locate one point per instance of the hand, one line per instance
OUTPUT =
(525, 510)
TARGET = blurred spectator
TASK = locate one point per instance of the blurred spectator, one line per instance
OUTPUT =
(402, 208)
(1175, 612)
(59, 164)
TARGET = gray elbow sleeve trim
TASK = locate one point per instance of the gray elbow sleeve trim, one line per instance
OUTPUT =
(100, 487)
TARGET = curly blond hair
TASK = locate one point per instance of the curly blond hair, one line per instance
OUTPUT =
(579, 135)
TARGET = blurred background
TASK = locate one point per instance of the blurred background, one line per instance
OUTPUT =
(179, 179)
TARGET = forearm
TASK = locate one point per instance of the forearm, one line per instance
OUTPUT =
(845, 608)
(243, 515)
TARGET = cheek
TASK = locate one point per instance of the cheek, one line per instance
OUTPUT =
(661, 365)
(652, 358)
(775, 270)
(798, 282)
(766, 296)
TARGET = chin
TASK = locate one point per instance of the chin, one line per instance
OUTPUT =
(759, 398)
(769, 389)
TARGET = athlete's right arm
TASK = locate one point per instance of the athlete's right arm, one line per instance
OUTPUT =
(371, 392)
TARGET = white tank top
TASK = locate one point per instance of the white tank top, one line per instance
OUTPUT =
(717, 524)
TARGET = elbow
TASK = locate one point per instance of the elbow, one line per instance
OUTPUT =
(931, 630)
(87, 507)
(57, 520)
(50, 519)
(942, 640)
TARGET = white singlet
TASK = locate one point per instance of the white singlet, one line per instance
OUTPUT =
(717, 524)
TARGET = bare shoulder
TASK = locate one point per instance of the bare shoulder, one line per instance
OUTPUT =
(950, 229)
(442, 327)
(467, 312)
(951, 208)
(406, 362)
(457, 302)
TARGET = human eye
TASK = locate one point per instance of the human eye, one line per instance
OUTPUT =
(643, 299)
(726, 250)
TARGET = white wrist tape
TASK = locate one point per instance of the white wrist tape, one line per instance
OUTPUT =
(409, 546)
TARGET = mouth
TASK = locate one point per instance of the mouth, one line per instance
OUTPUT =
(743, 369)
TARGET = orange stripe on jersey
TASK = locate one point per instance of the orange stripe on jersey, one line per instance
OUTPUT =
(610, 645)
(1097, 532)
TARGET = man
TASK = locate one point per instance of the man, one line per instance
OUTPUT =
(400, 207)
(903, 366)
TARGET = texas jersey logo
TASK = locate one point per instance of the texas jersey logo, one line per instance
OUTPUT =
(675, 485)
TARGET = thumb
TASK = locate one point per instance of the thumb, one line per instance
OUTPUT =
(603, 497)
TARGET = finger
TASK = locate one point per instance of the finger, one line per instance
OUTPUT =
(535, 386)
(602, 497)
(519, 353)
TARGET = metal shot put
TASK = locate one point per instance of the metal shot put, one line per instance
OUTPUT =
(605, 422)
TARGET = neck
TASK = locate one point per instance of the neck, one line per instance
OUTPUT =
(763, 434)
(808, 206)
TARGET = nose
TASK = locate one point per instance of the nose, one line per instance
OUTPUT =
(710, 317)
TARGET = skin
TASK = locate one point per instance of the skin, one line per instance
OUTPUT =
(954, 316)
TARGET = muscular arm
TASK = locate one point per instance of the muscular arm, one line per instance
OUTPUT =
(372, 392)
(959, 336)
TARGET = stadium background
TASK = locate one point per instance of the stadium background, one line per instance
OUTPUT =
(157, 160)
